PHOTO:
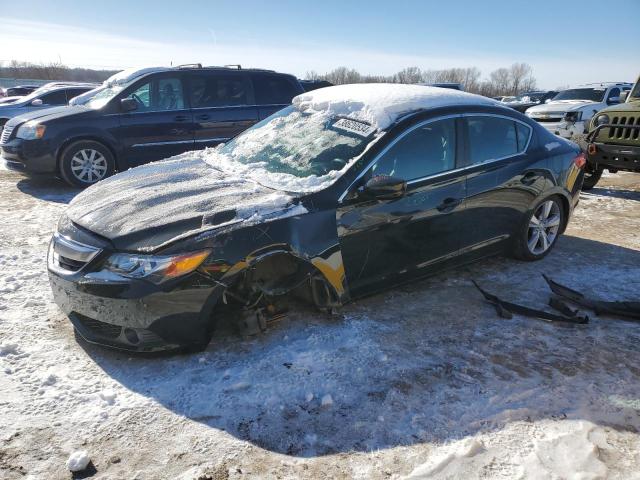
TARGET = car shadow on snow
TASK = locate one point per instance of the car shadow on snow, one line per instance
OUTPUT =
(47, 188)
(615, 193)
(427, 362)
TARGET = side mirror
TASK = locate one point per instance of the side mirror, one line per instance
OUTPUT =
(623, 96)
(128, 104)
(37, 102)
(613, 100)
(385, 187)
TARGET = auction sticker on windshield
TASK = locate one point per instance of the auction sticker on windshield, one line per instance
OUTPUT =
(353, 126)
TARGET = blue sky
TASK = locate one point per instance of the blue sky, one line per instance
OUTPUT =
(561, 40)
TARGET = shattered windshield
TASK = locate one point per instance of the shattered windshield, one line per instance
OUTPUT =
(299, 143)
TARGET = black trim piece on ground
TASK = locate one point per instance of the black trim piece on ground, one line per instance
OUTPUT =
(507, 309)
(625, 309)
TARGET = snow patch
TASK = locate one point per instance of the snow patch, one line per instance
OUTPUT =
(450, 456)
(327, 400)
(78, 461)
(381, 104)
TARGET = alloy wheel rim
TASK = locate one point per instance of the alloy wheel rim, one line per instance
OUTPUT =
(543, 227)
(88, 165)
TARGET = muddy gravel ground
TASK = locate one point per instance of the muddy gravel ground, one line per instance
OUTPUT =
(424, 381)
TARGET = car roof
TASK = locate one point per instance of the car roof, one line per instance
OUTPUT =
(128, 75)
(382, 104)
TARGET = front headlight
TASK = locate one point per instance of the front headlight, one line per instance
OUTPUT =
(601, 120)
(573, 116)
(31, 130)
(155, 268)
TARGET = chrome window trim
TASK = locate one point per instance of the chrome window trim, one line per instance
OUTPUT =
(215, 139)
(447, 172)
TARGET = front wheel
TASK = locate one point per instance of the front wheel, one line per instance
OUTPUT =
(541, 230)
(591, 177)
(86, 162)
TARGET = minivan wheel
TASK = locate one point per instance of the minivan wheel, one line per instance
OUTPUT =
(86, 162)
(541, 229)
(591, 177)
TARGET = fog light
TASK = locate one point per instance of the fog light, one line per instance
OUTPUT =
(131, 335)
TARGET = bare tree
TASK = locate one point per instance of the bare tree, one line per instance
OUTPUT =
(408, 75)
(521, 77)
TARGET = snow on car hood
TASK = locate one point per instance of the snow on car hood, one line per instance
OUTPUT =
(146, 207)
(382, 104)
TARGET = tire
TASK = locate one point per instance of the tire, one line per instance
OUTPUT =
(591, 177)
(538, 237)
(86, 162)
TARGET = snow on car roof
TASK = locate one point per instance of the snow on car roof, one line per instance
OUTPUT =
(382, 104)
(126, 76)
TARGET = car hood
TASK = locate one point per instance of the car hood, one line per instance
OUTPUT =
(560, 106)
(633, 106)
(46, 114)
(146, 208)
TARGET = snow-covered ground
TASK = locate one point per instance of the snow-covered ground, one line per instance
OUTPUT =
(424, 381)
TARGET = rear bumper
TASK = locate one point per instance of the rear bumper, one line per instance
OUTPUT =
(34, 156)
(619, 157)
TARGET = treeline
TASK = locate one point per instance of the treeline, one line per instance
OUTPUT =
(513, 80)
(52, 71)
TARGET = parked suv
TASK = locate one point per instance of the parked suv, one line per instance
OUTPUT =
(144, 115)
(614, 139)
(47, 96)
(569, 112)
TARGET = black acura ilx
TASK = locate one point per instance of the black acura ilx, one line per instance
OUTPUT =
(350, 190)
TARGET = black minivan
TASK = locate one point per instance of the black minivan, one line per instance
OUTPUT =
(138, 116)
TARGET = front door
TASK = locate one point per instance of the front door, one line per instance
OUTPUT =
(223, 106)
(386, 241)
(162, 124)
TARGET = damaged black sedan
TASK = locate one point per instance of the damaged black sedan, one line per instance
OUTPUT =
(350, 190)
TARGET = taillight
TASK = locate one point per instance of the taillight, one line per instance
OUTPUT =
(592, 149)
(580, 161)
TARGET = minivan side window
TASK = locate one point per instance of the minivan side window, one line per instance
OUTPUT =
(273, 90)
(159, 95)
(491, 138)
(218, 90)
(428, 149)
(54, 98)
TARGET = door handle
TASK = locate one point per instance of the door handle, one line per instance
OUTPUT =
(181, 118)
(449, 204)
(202, 117)
(529, 178)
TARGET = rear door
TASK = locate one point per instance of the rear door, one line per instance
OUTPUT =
(274, 92)
(223, 105)
(501, 183)
(162, 124)
(390, 240)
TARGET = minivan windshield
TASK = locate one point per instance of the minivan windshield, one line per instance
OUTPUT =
(102, 97)
(593, 94)
(294, 143)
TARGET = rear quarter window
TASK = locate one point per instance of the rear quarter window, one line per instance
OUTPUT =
(274, 90)
(492, 138)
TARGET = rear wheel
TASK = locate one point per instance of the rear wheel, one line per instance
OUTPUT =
(541, 230)
(591, 177)
(86, 162)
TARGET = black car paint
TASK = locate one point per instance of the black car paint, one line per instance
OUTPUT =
(134, 137)
(358, 246)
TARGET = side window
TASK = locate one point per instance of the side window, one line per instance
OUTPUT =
(159, 95)
(169, 94)
(491, 138)
(74, 92)
(614, 92)
(220, 90)
(54, 98)
(272, 89)
(424, 151)
(142, 95)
